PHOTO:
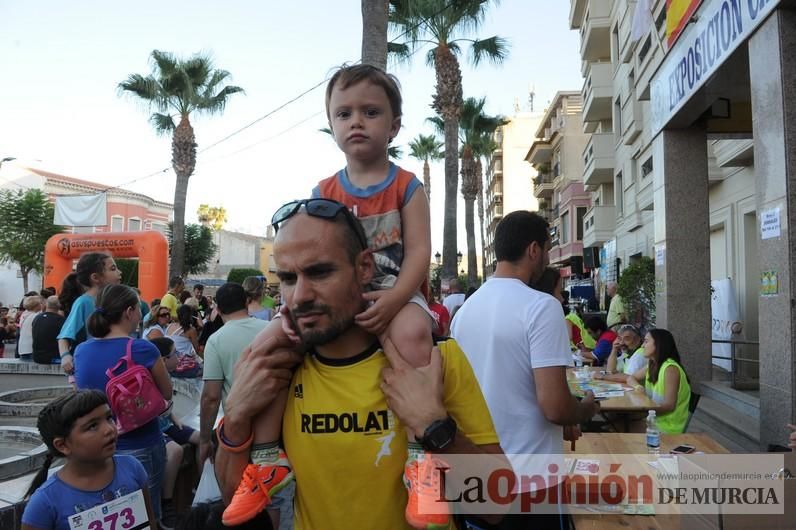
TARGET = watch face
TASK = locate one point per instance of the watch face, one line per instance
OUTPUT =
(440, 434)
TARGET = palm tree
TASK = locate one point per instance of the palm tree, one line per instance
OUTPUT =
(176, 88)
(476, 132)
(426, 148)
(374, 32)
(440, 24)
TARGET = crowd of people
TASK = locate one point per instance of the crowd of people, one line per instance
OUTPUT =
(340, 405)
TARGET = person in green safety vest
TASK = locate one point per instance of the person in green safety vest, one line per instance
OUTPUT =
(579, 338)
(665, 381)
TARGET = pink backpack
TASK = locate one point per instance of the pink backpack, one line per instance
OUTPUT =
(133, 395)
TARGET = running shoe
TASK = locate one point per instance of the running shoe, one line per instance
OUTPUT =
(258, 485)
(424, 487)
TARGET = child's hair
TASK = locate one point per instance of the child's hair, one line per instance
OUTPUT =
(346, 76)
(184, 295)
(164, 345)
(90, 263)
(254, 288)
(70, 291)
(56, 420)
(112, 301)
(185, 317)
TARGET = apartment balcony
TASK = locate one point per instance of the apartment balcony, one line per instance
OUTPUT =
(576, 9)
(543, 186)
(541, 152)
(598, 92)
(599, 225)
(595, 32)
(598, 160)
(734, 153)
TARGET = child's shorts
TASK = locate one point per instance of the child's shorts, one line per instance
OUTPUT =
(181, 436)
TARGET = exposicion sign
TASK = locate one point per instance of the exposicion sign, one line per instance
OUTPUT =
(720, 27)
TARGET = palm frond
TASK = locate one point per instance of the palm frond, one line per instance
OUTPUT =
(399, 53)
(217, 103)
(198, 68)
(146, 88)
(426, 147)
(438, 123)
(495, 49)
(162, 123)
(326, 130)
(166, 63)
(216, 78)
(394, 152)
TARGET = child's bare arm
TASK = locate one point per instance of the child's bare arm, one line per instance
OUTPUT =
(416, 227)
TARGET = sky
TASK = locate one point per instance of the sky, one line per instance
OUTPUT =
(61, 62)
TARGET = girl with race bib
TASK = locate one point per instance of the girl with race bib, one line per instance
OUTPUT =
(79, 427)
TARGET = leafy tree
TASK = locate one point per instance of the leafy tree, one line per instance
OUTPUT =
(177, 88)
(199, 248)
(238, 275)
(26, 223)
(129, 270)
(374, 32)
(426, 148)
(441, 24)
(637, 289)
(213, 216)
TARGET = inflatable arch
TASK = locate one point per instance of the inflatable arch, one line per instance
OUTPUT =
(151, 249)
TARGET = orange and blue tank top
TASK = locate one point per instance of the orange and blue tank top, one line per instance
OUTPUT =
(378, 208)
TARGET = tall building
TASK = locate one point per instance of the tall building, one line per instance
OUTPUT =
(692, 129)
(508, 182)
(557, 158)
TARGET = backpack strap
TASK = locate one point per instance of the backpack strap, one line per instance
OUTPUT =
(128, 359)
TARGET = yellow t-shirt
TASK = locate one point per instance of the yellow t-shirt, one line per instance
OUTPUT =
(347, 448)
(170, 301)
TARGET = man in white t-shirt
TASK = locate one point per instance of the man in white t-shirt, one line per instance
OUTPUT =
(455, 297)
(516, 341)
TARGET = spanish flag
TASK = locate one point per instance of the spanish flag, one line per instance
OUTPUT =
(678, 13)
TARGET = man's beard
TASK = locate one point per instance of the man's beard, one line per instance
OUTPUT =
(317, 336)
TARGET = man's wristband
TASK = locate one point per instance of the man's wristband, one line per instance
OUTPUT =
(229, 446)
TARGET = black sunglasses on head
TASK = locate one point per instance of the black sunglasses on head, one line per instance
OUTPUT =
(322, 208)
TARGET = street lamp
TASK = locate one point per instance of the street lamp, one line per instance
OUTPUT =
(458, 258)
(438, 258)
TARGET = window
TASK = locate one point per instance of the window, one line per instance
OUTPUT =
(645, 49)
(83, 230)
(661, 20)
(134, 224)
(618, 117)
(159, 227)
(646, 167)
(580, 213)
(564, 228)
(117, 223)
(620, 195)
(631, 82)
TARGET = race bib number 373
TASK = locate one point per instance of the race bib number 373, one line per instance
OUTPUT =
(125, 513)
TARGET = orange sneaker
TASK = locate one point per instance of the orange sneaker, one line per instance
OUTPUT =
(258, 484)
(424, 486)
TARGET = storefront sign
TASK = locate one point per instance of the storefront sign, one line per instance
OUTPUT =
(719, 27)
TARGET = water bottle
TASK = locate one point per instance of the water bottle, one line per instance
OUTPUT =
(578, 363)
(653, 434)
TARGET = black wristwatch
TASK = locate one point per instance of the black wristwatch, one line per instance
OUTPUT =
(438, 435)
